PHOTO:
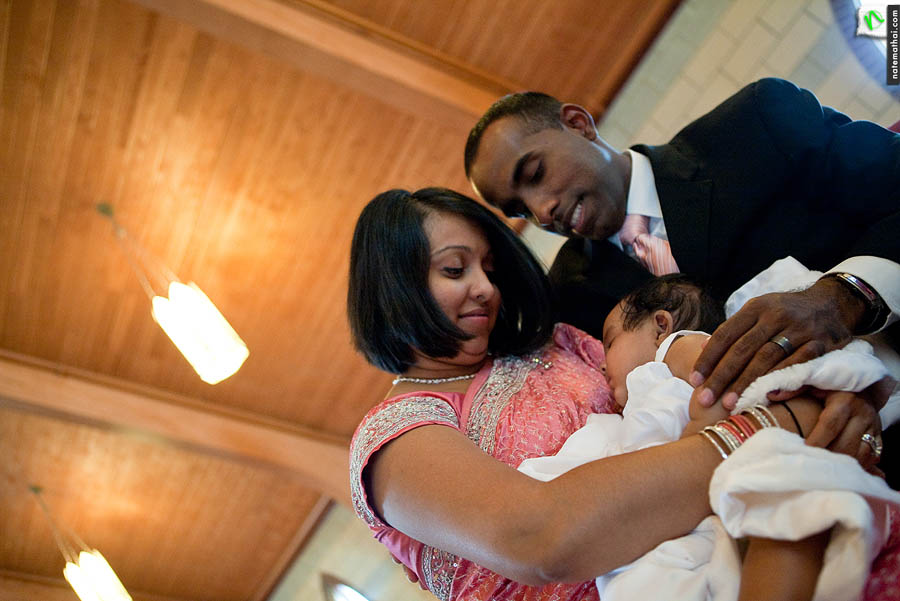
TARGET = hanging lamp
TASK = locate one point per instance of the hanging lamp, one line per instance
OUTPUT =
(187, 316)
(87, 571)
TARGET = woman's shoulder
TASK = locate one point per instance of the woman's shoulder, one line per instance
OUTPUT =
(569, 339)
(414, 405)
(400, 413)
(386, 421)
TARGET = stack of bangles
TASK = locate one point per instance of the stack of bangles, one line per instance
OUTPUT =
(730, 433)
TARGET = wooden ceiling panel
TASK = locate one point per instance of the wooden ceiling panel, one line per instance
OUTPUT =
(247, 180)
(205, 527)
(578, 50)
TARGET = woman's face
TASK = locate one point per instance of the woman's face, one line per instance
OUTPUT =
(459, 279)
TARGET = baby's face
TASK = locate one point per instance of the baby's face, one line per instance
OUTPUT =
(626, 350)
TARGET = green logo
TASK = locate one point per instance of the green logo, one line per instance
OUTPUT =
(873, 14)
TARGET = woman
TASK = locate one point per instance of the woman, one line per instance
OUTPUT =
(444, 294)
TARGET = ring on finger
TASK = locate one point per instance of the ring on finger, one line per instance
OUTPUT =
(874, 443)
(784, 343)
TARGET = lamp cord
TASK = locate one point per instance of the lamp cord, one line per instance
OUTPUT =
(136, 253)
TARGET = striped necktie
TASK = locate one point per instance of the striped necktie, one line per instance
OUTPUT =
(652, 252)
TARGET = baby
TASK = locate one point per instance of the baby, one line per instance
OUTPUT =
(652, 339)
(647, 323)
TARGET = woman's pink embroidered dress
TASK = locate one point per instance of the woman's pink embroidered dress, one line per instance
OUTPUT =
(515, 408)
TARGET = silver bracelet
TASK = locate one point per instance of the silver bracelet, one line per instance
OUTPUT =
(727, 437)
(713, 442)
(876, 313)
(771, 415)
(764, 422)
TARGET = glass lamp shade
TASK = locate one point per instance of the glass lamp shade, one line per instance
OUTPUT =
(200, 332)
(338, 590)
(93, 579)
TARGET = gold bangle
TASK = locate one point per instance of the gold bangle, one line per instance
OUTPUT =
(727, 437)
(709, 437)
(761, 419)
(771, 415)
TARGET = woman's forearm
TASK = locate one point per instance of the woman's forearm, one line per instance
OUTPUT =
(622, 507)
(438, 488)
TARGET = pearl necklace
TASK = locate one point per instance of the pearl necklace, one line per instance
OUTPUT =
(399, 379)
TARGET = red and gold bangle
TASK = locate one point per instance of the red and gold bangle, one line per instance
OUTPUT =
(734, 430)
(730, 433)
(732, 441)
(744, 424)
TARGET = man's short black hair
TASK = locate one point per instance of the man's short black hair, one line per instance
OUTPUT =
(389, 304)
(692, 306)
(536, 110)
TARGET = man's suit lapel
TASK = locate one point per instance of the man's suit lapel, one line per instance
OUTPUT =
(685, 206)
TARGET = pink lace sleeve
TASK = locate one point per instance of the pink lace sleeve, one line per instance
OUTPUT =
(382, 424)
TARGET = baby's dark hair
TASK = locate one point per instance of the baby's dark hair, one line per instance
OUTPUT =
(692, 307)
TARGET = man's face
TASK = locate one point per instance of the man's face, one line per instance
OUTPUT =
(569, 180)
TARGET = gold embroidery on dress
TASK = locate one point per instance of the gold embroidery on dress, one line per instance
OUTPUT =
(505, 380)
(438, 570)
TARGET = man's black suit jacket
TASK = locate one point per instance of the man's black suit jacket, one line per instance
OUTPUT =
(766, 174)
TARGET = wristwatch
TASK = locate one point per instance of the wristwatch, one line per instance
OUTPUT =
(877, 311)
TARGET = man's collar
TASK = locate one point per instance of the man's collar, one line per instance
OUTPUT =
(642, 196)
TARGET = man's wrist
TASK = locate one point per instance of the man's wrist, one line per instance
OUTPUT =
(875, 311)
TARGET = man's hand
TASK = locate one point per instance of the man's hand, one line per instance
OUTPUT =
(814, 321)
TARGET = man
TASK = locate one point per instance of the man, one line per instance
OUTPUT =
(766, 174)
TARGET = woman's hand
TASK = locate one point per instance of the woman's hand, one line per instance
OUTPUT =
(410, 575)
(846, 418)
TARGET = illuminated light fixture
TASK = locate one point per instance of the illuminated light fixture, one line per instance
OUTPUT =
(87, 571)
(187, 316)
(338, 590)
(93, 579)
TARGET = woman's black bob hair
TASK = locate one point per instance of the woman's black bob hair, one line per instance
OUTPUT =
(389, 305)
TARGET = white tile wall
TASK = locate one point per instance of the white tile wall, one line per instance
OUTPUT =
(736, 42)
(741, 16)
(780, 15)
(859, 111)
(873, 95)
(717, 48)
(719, 87)
(821, 10)
(752, 50)
(842, 84)
(796, 43)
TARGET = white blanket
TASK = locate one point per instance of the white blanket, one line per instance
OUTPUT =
(773, 486)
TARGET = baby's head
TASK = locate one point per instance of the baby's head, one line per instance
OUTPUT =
(636, 327)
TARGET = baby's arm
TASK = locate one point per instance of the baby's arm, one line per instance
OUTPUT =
(782, 570)
(680, 359)
(772, 569)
